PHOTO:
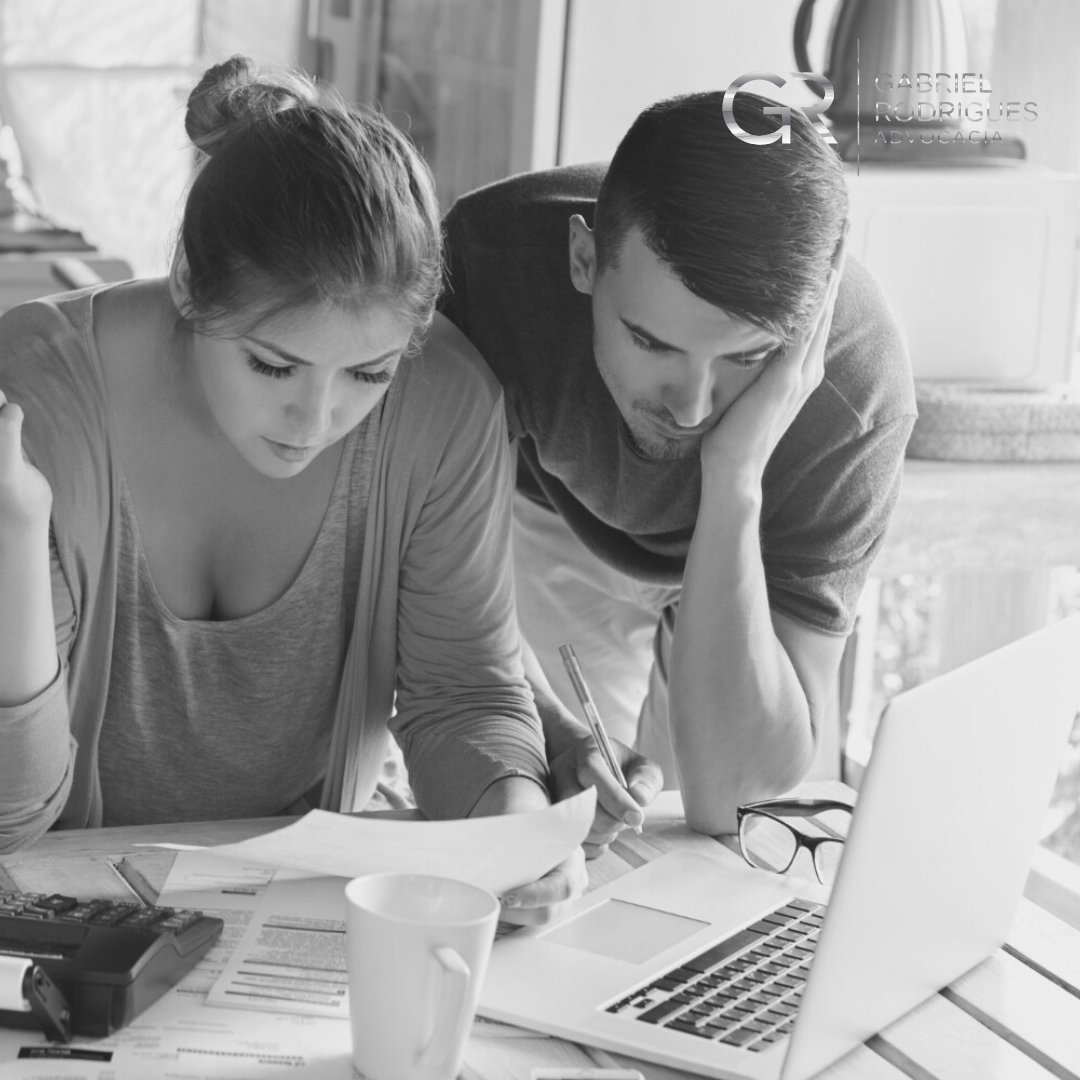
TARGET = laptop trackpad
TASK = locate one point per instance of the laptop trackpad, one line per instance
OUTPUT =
(622, 931)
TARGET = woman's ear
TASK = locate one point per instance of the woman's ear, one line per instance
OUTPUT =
(180, 279)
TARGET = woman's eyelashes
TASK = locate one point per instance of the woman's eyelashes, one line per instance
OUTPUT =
(380, 375)
(271, 371)
(285, 371)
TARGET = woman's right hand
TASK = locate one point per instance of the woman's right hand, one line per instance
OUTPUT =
(25, 495)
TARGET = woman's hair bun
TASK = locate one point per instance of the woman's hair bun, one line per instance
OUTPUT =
(238, 91)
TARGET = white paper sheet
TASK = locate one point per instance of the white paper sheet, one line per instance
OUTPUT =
(497, 853)
(291, 956)
(292, 953)
(179, 1036)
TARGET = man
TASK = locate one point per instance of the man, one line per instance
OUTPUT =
(710, 408)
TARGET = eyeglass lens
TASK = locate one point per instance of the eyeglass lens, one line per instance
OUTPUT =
(768, 844)
(827, 856)
(771, 845)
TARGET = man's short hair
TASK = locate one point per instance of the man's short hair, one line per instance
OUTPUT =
(751, 229)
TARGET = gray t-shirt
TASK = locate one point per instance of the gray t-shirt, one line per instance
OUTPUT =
(209, 720)
(829, 487)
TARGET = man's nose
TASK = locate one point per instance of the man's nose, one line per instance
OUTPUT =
(690, 400)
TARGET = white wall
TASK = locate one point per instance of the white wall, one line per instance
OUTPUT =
(95, 92)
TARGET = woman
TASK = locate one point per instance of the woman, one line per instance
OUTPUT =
(243, 514)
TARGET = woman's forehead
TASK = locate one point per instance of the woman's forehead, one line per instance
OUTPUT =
(321, 333)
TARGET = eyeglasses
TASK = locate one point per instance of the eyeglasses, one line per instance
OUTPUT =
(768, 842)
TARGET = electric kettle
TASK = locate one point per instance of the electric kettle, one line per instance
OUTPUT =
(882, 41)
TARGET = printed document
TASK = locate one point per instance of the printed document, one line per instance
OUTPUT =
(178, 1037)
(496, 853)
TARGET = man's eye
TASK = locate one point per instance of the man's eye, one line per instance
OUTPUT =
(270, 370)
(644, 343)
(756, 361)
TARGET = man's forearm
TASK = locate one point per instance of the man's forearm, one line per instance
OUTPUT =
(740, 719)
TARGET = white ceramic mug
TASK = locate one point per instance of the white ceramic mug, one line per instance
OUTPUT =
(418, 947)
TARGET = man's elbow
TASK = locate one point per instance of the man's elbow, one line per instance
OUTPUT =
(709, 811)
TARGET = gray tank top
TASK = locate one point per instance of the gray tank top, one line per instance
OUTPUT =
(213, 720)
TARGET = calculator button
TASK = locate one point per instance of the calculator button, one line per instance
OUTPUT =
(179, 921)
(111, 914)
(32, 912)
(143, 919)
(58, 904)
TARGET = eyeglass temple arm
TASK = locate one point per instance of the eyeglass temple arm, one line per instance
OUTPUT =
(798, 807)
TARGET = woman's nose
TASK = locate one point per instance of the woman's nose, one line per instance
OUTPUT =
(310, 412)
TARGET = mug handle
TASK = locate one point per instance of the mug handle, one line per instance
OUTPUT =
(453, 1000)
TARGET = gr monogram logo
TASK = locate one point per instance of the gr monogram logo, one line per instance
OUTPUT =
(783, 132)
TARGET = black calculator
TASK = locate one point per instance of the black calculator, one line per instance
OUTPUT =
(110, 960)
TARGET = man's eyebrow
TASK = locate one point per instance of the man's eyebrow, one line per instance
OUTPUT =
(656, 343)
(652, 339)
(288, 357)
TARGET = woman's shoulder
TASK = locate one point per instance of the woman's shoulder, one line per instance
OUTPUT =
(46, 317)
(47, 366)
(48, 344)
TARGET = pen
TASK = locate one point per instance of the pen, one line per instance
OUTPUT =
(592, 717)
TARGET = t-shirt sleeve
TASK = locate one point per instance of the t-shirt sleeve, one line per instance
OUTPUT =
(38, 758)
(819, 545)
(465, 715)
(452, 299)
(46, 368)
(835, 476)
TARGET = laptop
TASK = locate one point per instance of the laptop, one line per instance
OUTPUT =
(663, 962)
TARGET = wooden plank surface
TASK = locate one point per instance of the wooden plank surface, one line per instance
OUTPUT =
(1015, 1016)
(1028, 1011)
(937, 1040)
(1047, 944)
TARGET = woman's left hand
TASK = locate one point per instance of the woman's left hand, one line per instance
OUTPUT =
(541, 901)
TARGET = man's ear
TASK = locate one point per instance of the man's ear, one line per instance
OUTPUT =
(582, 255)
(180, 279)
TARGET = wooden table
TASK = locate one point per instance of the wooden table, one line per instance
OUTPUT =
(1016, 1016)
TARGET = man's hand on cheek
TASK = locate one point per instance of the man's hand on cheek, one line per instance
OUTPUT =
(744, 439)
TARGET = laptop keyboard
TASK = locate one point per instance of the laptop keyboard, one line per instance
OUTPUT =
(745, 991)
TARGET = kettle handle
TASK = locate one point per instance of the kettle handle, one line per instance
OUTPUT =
(804, 19)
